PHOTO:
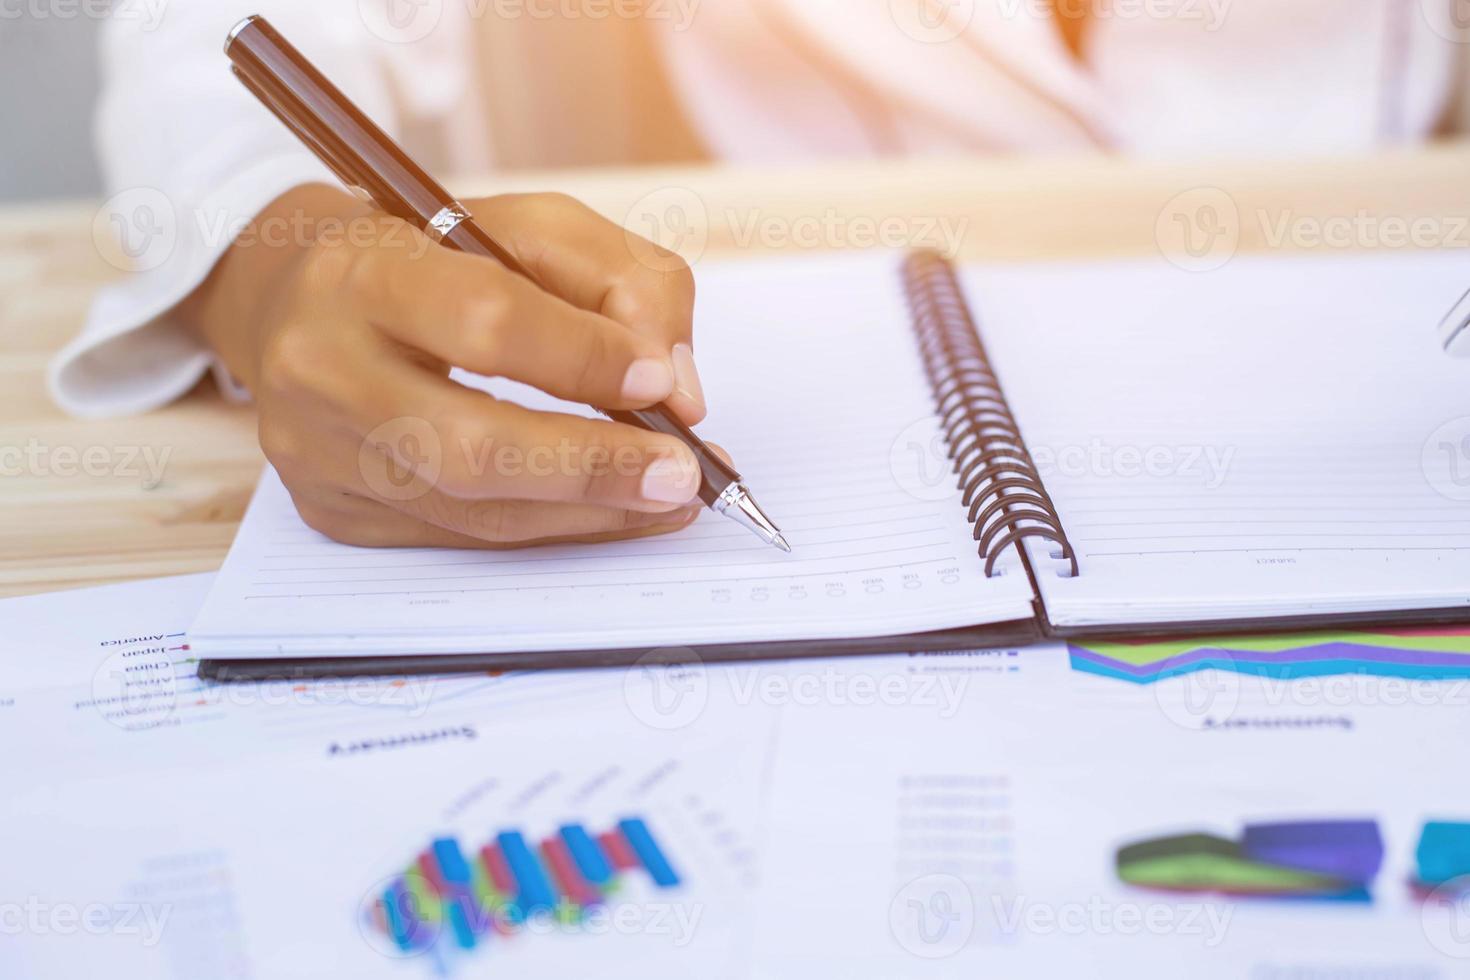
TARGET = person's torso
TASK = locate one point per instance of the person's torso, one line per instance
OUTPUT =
(793, 79)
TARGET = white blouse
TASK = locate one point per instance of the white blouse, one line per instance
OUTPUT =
(190, 156)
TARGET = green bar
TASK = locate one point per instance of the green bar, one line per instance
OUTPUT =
(426, 903)
(1147, 654)
(1203, 862)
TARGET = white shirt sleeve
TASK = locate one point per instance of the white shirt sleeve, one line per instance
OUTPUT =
(190, 157)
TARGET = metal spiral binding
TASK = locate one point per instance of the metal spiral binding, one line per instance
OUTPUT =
(1002, 487)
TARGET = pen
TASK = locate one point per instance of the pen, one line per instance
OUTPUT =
(370, 163)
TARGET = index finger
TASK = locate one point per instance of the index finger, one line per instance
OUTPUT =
(596, 265)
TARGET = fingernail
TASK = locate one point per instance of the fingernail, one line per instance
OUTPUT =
(649, 380)
(671, 480)
(686, 375)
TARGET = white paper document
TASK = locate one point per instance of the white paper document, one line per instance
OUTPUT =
(926, 815)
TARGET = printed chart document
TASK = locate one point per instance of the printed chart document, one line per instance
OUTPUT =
(548, 825)
(102, 680)
(630, 857)
(909, 816)
(988, 833)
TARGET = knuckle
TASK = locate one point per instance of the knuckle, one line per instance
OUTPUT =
(556, 202)
(485, 325)
(332, 267)
(464, 444)
(290, 359)
(278, 442)
(664, 296)
(680, 282)
(594, 483)
(595, 362)
(325, 520)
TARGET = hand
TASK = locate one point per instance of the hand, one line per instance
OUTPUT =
(345, 323)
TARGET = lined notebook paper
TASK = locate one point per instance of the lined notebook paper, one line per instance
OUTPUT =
(817, 390)
(1268, 439)
(1277, 439)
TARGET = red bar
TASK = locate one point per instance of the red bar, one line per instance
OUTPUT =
(618, 851)
(568, 878)
(380, 917)
(498, 870)
(429, 868)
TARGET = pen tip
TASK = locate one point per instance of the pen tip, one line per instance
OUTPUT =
(780, 542)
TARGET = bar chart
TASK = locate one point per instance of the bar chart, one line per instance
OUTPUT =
(455, 897)
(1414, 654)
(1322, 860)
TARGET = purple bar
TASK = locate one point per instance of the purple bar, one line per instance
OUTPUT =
(1307, 654)
(1351, 849)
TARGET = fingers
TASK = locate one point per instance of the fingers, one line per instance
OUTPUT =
(355, 520)
(596, 265)
(470, 312)
(483, 449)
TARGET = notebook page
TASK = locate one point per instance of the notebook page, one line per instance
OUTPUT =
(1279, 437)
(813, 378)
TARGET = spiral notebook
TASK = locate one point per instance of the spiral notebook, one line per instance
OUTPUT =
(961, 457)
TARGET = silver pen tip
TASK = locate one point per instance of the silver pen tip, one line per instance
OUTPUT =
(737, 504)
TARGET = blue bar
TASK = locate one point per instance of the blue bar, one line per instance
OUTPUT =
(1443, 853)
(393, 907)
(463, 933)
(587, 853)
(452, 865)
(535, 889)
(641, 840)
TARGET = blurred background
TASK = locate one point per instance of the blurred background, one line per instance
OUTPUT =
(603, 77)
(46, 151)
(1293, 78)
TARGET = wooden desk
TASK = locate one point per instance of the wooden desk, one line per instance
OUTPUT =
(62, 528)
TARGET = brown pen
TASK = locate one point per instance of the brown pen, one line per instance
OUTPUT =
(369, 162)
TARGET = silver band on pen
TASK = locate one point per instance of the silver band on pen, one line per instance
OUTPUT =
(450, 217)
